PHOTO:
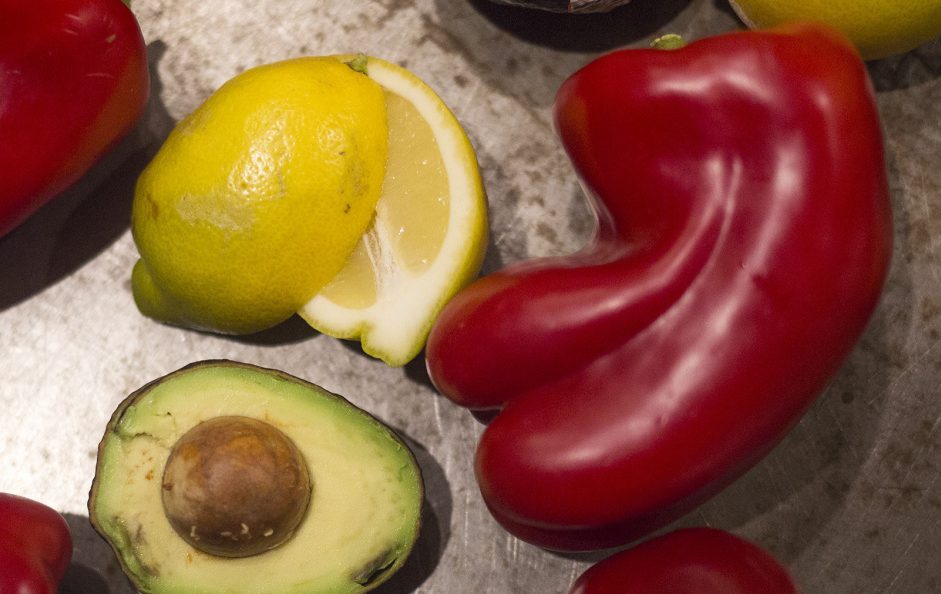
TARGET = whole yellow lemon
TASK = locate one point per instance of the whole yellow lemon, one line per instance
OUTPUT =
(878, 28)
(256, 199)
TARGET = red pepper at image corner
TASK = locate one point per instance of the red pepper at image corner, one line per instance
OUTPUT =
(689, 560)
(73, 82)
(743, 240)
(35, 546)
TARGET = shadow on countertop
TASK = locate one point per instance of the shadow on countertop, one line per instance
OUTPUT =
(435, 529)
(917, 67)
(94, 568)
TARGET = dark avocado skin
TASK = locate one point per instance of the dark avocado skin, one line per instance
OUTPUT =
(365, 578)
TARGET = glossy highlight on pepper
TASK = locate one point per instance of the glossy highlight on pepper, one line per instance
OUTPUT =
(744, 234)
(694, 560)
(35, 546)
(73, 82)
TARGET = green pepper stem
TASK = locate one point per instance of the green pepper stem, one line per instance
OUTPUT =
(670, 41)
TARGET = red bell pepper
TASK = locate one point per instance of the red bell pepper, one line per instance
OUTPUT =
(688, 561)
(73, 81)
(35, 546)
(744, 234)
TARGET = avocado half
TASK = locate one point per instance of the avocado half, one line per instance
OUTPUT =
(354, 532)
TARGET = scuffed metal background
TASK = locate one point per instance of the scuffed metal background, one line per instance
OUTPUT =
(850, 500)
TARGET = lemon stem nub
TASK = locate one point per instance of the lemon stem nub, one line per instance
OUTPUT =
(670, 41)
(359, 64)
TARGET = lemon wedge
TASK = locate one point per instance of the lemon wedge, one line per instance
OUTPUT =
(429, 234)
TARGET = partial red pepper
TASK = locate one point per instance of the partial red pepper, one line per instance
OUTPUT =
(73, 81)
(688, 561)
(744, 234)
(35, 546)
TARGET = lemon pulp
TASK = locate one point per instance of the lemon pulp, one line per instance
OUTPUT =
(412, 212)
(428, 236)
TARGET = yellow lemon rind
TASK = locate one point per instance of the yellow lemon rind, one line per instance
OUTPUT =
(878, 28)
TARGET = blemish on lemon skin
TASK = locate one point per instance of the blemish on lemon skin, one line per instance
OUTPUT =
(358, 177)
(154, 207)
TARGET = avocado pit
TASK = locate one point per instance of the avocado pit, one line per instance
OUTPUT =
(235, 486)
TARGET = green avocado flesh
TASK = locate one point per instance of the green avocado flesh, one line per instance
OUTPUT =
(366, 496)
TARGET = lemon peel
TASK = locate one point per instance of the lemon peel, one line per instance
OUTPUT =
(878, 28)
(256, 199)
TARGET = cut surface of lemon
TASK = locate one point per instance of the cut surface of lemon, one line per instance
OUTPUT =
(429, 233)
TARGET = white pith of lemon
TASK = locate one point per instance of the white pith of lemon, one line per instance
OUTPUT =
(429, 233)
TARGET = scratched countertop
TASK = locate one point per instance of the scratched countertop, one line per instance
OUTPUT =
(850, 500)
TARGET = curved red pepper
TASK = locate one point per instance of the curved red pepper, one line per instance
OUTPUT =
(743, 240)
(73, 81)
(35, 546)
(688, 561)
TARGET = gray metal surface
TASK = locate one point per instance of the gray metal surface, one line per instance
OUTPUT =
(851, 500)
